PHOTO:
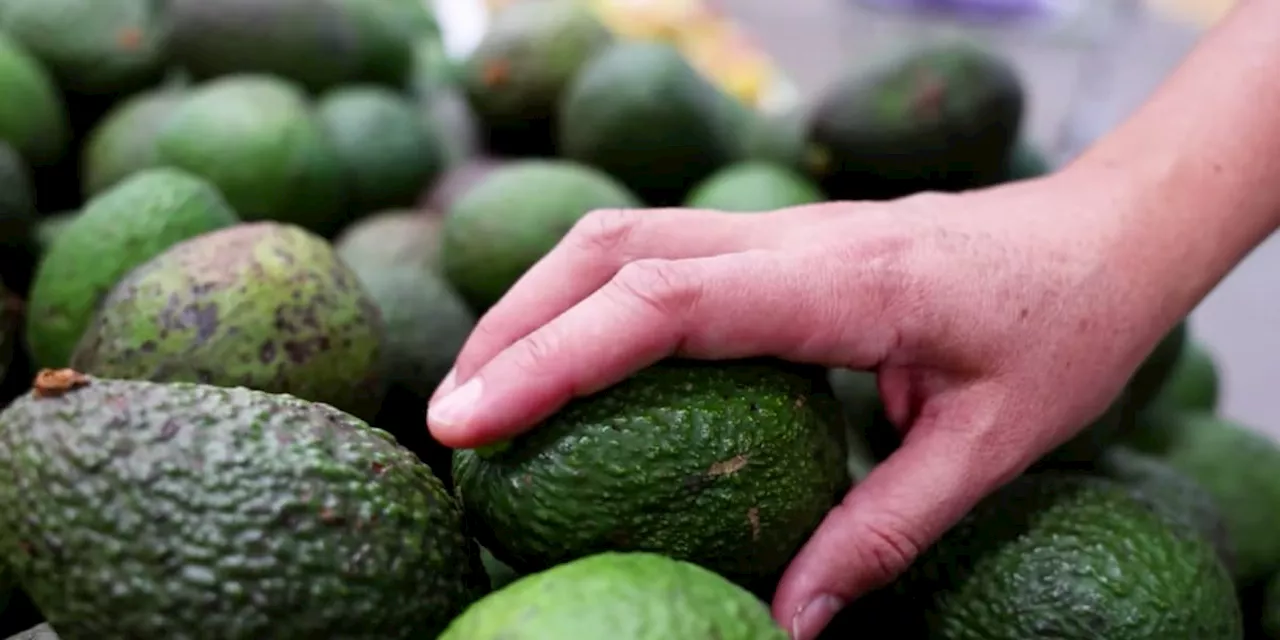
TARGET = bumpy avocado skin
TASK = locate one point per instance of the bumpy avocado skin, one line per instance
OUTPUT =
(623, 596)
(263, 305)
(134, 509)
(1069, 556)
(727, 464)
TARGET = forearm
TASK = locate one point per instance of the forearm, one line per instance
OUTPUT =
(1193, 178)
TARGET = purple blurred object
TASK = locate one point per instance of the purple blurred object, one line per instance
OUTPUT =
(976, 9)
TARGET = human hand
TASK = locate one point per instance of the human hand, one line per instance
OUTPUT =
(999, 322)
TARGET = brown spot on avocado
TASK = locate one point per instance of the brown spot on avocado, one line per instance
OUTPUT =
(129, 38)
(728, 467)
(753, 518)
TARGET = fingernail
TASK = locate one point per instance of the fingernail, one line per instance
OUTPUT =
(455, 409)
(812, 618)
(446, 385)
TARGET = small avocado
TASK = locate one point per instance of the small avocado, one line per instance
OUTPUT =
(940, 116)
(135, 509)
(91, 47)
(399, 237)
(641, 113)
(119, 229)
(517, 74)
(622, 596)
(262, 305)
(1194, 383)
(753, 187)
(728, 464)
(1063, 556)
(124, 140)
(516, 215)
(257, 139)
(18, 249)
(33, 118)
(387, 149)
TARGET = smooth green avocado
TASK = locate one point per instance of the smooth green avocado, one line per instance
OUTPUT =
(507, 222)
(33, 118)
(622, 596)
(262, 305)
(118, 230)
(135, 509)
(730, 465)
(752, 187)
(123, 142)
(1064, 557)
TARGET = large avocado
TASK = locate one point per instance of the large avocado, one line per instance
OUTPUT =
(516, 75)
(257, 139)
(262, 305)
(753, 186)
(640, 112)
(18, 249)
(621, 596)
(317, 43)
(33, 118)
(118, 230)
(91, 47)
(1071, 557)
(937, 116)
(513, 217)
(124, 140)
(730, 465)
(135, 509)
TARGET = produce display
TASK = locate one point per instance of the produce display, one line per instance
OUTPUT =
(241, 243)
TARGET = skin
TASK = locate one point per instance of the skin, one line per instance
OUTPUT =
(998, 320)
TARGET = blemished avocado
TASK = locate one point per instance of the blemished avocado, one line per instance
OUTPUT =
(388, 151)
(135, 509)
(623, 596)
(18, 249)
(262, 305)
(91, 47)
(516, 75)
(33, 118)
(398, 237)
(118, 230)
(1066, 557)
(124, 141)
(516, 215)
(257, 139)
(641, 113)
(939, 116)
(1194, 383)
(1154, 372)
(730, 465)
(316, 43)
(752, 187)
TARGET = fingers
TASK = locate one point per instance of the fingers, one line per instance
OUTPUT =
(588, 257)
(726, 306)
(901, 508)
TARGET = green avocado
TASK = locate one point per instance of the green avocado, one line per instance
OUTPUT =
(123, 142)
(33, 118)
(118, 230)
(753, 186)
(622, 596)
(136, 509)
(730, 465)
(18, 249)
(938, 116)
(1194, 383)
(1071, 557)
(1155, 370)
(512, 218)
(517, 74)
(641, 113)
(262, 305)
(257, 139)
(398, 237)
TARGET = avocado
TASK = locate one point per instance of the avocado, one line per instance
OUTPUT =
(51, 226)
(780, 138)
(124, 140)
(33, 118)
(447, 112)
(257, 139)
(753, 186)
(623, 596)
(728, 464)
(506, 223)
(91, 47)
(459, 179)
(516, 75)
(18, 250)
(398, 237)
(641, 113)
(263, 305)
(316, 43)
(38, 632)
(1194, 383)
(1069, 556)
(1157, 367)
(387, 149)
(120, 229)
(939, 116)
(136, 509)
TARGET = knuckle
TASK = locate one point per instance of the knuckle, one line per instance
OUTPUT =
(605, 231)
(535, 352)
(660, 284)
(885, 548)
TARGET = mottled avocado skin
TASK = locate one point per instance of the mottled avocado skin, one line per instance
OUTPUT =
(264, 305)
(134, 509)
(727, 464)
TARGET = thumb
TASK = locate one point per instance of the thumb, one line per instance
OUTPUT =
(905, 504)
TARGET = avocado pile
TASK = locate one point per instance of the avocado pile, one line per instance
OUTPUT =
(242, 242)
